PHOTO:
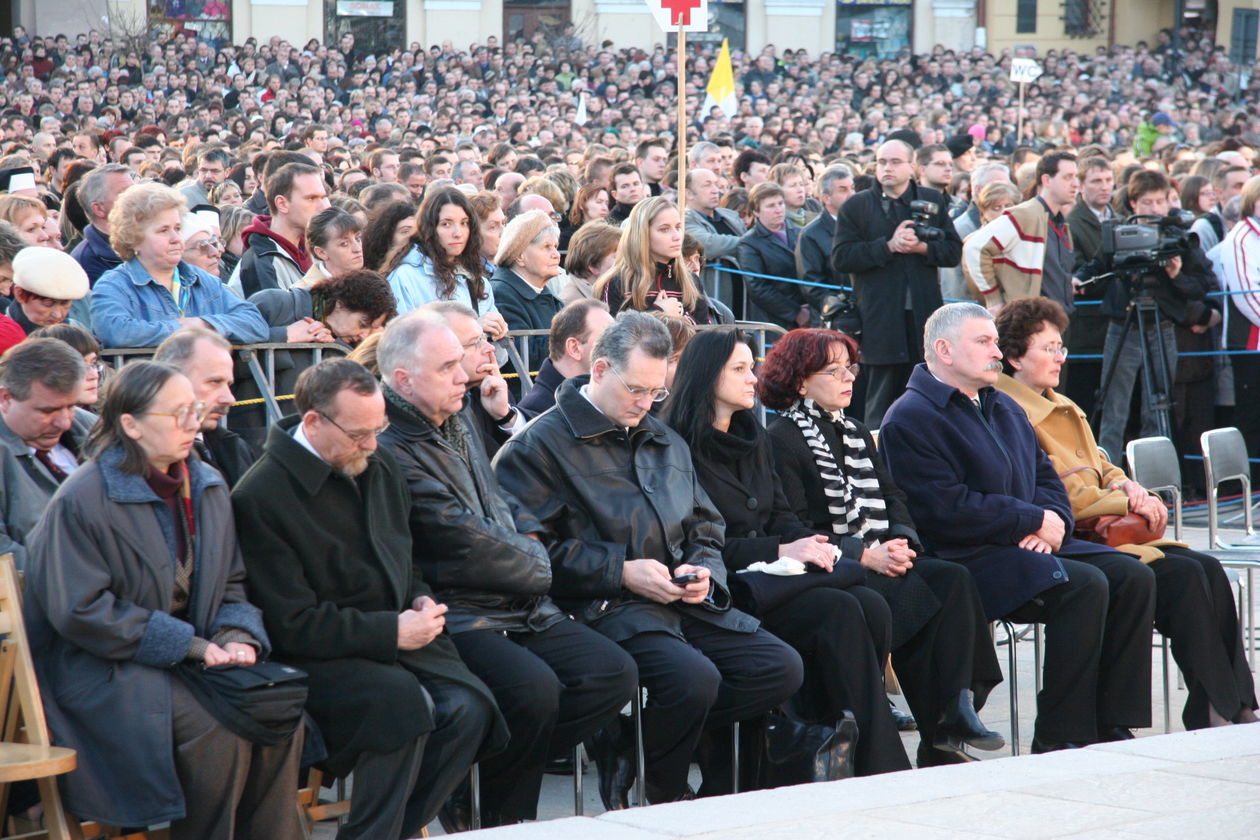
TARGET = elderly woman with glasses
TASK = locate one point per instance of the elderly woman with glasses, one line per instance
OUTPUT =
(203, 242)
(835, 482)
(133, 571)
(1194, 606)
(528, 257)
(156, 291)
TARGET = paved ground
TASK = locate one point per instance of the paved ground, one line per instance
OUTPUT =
(1193, 785)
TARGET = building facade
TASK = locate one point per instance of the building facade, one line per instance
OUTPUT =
(865, 27)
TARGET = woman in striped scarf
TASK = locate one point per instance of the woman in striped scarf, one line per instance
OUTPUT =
(836, 482)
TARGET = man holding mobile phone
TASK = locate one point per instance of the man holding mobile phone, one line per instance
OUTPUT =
(635, 548)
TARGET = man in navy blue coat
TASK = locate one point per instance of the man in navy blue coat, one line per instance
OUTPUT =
(985, 495)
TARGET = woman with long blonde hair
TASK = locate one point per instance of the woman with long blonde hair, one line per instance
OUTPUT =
(648, 272)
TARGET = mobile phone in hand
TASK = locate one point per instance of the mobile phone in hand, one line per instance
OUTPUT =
(683, 580)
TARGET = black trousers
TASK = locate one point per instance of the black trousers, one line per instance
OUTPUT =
(1194, 608)
(398, 793)
(884, 383)
(843, 636)
(710, 678)
(952, 652)
(1097, 668)
(554, 687)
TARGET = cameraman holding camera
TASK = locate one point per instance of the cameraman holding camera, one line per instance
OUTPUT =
(892, 239)
(1178, 288)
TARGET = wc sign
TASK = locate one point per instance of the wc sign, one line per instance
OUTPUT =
(687, 15)
(1024, 70)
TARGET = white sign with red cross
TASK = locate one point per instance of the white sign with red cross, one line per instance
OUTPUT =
(692, 15)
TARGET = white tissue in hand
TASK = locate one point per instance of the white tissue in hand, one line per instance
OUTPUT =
(782, 566)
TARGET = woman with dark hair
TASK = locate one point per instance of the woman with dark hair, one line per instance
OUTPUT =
(388, 231)
(1194, 606)
(442, 260)
(134, 569)
(835, 481)
(842, 633)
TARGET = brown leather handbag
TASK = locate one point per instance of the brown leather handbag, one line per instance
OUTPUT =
(1114, 529)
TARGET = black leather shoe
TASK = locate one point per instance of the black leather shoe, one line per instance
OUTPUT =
(1039, 746)
(456, 814)
(905, 722)
(959, 723)
(612, 751)
(562, 766)
(1107, 734)
(937, 755)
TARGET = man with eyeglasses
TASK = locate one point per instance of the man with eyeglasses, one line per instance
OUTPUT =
(42, 430)
(555, 681)
(205, 357)
(635, 549)
(896, 285)
(212, 167)
(322, 520)
(46, 283)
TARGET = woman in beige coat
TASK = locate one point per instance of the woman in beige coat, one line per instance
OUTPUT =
(1194, 606)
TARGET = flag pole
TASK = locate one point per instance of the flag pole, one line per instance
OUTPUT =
(682, 126)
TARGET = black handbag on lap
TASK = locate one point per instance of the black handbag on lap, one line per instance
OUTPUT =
(797, 753)
(262, 703)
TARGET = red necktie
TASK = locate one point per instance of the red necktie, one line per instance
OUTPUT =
(58, 474)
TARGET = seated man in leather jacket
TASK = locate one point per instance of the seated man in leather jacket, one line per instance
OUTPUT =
(556, 681)
(635, 548)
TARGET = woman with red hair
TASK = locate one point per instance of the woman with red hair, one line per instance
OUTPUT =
(836, 482)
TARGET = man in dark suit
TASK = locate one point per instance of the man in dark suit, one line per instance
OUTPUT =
(205, 357)
(322, 522)
(1088, 326)
(895, 282)
(813, 246)
(984, 494)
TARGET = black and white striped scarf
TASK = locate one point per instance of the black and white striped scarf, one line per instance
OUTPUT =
(854, 499)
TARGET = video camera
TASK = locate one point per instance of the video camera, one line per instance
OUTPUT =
(924, 213)
(1142, 244)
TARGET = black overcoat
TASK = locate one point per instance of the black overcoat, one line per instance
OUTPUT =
(329, 562)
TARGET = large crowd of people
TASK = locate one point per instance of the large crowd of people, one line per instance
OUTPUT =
(475, 561)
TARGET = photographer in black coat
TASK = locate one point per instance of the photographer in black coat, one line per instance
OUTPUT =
(895, 280)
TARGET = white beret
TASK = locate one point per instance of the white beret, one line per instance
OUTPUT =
(199, 221)
(49, 273)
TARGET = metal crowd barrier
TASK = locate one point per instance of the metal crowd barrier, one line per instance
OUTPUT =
(260, 359)
(262, 372)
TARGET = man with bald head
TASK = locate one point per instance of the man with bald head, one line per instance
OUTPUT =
(894, 270)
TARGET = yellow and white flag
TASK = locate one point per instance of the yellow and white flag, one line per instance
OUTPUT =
(721, 87)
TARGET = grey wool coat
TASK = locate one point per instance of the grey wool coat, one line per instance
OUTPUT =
(100, 575)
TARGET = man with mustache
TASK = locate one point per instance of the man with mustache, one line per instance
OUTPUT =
(985, 495)
(205, 357)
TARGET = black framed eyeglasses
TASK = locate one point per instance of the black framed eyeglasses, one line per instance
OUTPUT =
(356, 437)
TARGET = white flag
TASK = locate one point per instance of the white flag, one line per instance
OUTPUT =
(580, 119)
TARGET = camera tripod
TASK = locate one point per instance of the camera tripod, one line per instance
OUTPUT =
(1156, 377)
